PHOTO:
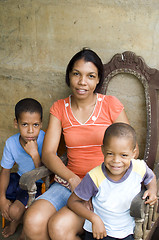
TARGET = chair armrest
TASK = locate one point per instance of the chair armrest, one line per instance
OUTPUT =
(28, 179)
(145, 215)
(137, 208)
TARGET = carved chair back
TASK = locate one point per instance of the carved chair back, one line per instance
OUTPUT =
(129, 63)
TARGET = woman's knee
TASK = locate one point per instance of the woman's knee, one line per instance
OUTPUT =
(32, 221)
(36, 217)
(56, 228)
(64, 225)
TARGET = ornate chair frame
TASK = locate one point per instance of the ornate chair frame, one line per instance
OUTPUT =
(128, 62)
(146, 217)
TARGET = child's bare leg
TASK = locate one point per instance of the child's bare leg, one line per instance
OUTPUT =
(16, 211)
(36, 220)
(65, 225)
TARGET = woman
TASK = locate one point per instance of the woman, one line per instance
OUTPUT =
(83, 118)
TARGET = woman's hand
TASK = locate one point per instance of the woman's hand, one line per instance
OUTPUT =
(74, 181)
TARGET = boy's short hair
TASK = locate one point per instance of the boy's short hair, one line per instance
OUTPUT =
(28, 105)
(120, 130)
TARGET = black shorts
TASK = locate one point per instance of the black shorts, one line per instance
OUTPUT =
(14, 192)
(89, 236)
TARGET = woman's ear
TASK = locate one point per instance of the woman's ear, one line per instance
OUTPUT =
(15, 123)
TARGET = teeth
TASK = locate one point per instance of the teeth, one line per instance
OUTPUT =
(81, 90)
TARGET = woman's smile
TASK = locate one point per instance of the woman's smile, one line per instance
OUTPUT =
(81, 91)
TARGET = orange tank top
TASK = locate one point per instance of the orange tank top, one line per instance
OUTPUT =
(83, 141)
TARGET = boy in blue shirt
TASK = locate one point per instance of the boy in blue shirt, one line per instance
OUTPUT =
(23, 148)
(112, 186)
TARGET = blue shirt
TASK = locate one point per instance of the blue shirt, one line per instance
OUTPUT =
(14, 153)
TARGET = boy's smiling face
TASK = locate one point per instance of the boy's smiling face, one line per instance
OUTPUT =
(118, 153)
(29, 125)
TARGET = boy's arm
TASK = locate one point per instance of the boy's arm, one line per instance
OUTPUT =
(31, 148)
(77, 205)
(151, 192)
(4, 202)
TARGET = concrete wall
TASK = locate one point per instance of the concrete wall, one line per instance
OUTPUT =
(38, 37)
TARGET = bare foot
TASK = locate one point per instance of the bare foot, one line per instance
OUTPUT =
(10, 229)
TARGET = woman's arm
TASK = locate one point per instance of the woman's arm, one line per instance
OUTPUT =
(49, 153)
(123, 118)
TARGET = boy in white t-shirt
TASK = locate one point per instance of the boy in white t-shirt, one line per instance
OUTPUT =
(112, 186)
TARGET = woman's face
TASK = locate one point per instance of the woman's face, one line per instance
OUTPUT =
(83, 79)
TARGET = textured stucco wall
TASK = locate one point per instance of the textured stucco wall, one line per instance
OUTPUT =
(38, 37)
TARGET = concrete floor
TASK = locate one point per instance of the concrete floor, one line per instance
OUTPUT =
(14, 236)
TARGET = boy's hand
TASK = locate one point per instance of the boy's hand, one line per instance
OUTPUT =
(5, 204)
(151, 197)
(98, 228)
(31, 147)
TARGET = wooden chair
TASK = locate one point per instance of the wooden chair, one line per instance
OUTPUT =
(146, 217)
